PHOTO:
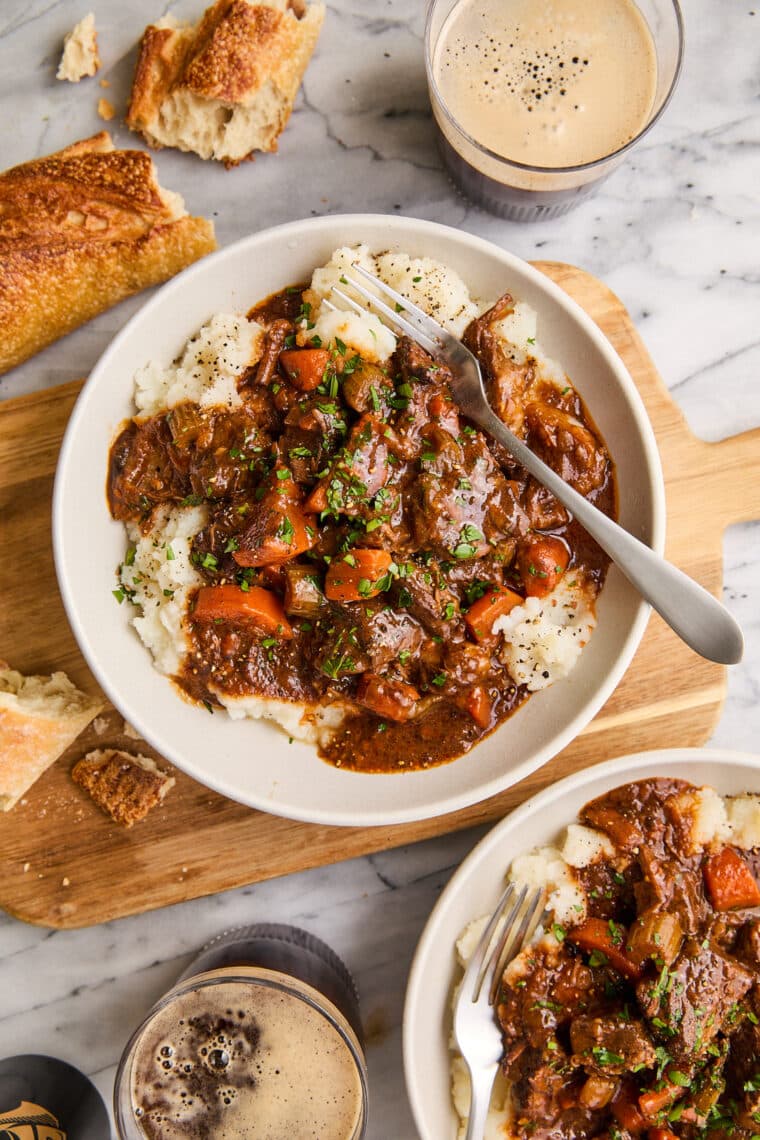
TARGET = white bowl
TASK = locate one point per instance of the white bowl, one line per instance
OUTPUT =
(475, 889)
(253, 762)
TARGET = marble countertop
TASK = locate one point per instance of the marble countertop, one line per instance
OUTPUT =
(675, 232)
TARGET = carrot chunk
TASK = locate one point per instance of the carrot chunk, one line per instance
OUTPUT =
(607, 940)
(483, 613)
(317, 500)
(445, 411)
(305, 367)
(729, 881)
(653, 1102)
(387, 698)
(357, 575)
(625, 1109)
(541, 562)
(478, 705)
(254, 606)
(661, 1134)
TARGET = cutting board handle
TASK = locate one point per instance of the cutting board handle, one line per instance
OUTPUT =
(732, 466)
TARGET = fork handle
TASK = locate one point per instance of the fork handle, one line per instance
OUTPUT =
(481, 1084)
(695, 615)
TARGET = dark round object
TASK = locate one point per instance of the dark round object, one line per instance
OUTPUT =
(57, 1087)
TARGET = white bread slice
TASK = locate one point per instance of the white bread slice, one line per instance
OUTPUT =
(39, 719)
(225, 87)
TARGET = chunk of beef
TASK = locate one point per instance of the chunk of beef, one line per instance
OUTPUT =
(567, 446)
(508, 376)
(742, 1069)
(359, 471)
(385, 633)
(538, 1081)
(427, 597)
(690, 1002)
(145, 469)
(543, 510)
(747, 947)
(274, 342)
(633, 813)
(465, 664)
(319, 417)
(305, 452)
(675, 886)
(414, 363)
(542, 990)
(609, 1045)
(463, 506)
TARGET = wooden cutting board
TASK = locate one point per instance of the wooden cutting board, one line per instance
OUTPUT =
(64, 864)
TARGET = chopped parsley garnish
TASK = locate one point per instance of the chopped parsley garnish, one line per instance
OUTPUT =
(231, 545)
(605, 1057)
(209, 562)
(468, 537)
(285, 531)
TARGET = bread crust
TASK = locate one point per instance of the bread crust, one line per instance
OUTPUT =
(81, 230)
(241, 56)
(39, 718)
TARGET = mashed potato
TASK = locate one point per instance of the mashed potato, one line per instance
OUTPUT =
(542, 639)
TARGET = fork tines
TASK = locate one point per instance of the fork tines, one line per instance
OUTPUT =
(511, 927)
(405, 315)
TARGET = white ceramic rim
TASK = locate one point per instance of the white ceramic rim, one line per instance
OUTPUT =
(686, 763)
(337, 813)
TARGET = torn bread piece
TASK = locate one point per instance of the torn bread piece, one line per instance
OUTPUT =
(80, 57)
(225, 87)
(79, 231)
(40, 716)
(124, 785)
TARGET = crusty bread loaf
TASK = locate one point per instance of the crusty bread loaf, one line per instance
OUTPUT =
(80, 51)
(226, 87)
(79, 231)
(39, 719)
(124, 785)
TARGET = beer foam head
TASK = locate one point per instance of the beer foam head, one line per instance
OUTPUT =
(242, 1061)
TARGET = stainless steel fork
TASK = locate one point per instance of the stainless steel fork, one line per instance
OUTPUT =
(511, 926)
(698, 618)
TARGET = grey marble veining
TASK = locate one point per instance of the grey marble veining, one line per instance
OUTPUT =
(675, 232)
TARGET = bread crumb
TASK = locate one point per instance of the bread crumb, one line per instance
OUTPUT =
(65, 882)
(105, 82)
(26, 867)
(123, 785)
(106, 110)
(100, 724)
(80, 51)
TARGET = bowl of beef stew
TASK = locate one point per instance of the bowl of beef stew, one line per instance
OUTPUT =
(635, 1008)
(319, 569)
